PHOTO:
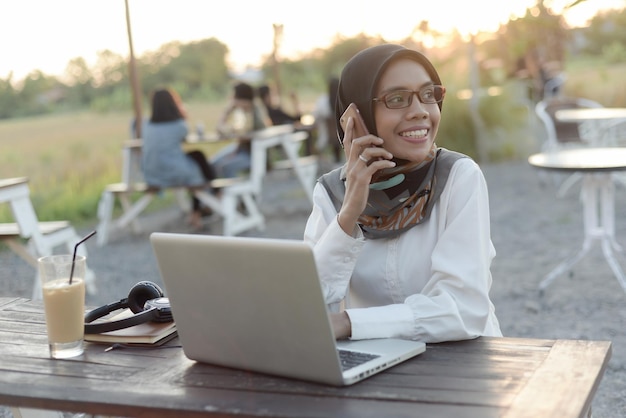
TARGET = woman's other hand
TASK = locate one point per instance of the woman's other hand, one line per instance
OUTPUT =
(342, 327)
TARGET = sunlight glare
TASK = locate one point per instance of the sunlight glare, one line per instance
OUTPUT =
(67, 29)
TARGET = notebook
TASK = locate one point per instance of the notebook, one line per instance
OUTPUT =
(256, 304)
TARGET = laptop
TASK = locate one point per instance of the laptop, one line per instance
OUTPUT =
(256, 304)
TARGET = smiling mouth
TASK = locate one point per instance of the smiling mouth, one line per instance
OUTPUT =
(420, 133)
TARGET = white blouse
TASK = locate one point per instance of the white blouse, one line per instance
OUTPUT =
(430, 284)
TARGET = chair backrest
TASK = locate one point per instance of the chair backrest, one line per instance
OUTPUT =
(553, 86)
(561, 133)
(16, 193)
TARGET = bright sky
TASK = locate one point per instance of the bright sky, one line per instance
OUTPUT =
(47, 34)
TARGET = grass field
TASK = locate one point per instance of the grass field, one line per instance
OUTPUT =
(69, 158)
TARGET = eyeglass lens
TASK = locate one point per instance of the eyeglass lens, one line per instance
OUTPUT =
(403, 98)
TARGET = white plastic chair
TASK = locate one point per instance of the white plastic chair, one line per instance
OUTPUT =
(562, 135)
(29, 238)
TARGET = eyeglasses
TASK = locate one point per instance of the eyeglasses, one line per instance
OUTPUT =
(399, 99)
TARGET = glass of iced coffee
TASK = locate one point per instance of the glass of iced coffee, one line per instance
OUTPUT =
(63, 287)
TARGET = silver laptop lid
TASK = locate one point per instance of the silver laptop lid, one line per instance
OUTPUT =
(249, 303)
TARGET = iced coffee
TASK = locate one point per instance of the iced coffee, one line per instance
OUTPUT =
(64, 302)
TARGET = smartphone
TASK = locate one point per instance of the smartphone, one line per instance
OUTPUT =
(359, 128)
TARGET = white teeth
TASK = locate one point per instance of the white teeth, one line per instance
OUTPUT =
(415, 134)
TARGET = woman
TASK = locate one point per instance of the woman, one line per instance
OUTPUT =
(164, 163)
(408, 256)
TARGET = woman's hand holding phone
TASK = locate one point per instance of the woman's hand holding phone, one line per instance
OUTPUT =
(359, 129)
(365, 157)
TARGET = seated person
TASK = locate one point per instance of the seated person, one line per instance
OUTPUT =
(407, 253)
(240, 118)
(276, 113)
(278, 116)
(164, 162)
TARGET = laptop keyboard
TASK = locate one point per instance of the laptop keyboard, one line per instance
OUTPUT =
(350, 359)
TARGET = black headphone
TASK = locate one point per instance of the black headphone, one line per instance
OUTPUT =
(145, 300)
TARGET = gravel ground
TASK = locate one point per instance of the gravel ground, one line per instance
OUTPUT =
(532, 231)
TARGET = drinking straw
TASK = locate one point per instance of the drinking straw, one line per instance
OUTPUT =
(91, 234)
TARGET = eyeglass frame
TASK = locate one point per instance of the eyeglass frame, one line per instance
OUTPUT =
(382, 99)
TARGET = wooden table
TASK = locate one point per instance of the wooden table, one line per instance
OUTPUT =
(486, 377)
(597, 166)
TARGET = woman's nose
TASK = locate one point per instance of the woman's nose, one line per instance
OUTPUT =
(417, 109)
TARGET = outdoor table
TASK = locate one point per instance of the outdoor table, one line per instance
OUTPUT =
(593, 122)
(597, 166)
(596, 113)
(484, 377)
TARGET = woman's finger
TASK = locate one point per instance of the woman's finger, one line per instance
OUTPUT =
(373, 153)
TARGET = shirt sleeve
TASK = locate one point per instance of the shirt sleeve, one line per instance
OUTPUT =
(335, 251)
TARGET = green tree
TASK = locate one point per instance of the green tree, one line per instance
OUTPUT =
(335, 57)
(312, 71)
(38, 93)
(606, 28)
(196, 69)
(531, 46)
(110, 70)
(80, 82)
(8, 98)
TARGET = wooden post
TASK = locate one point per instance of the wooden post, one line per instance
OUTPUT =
(278, 35)
(474, 102)
(134, 78)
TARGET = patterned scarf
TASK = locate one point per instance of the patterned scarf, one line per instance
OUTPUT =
(393, 210)
(401, 206)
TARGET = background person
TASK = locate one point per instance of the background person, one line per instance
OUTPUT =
(408, 256)
(276, 114)
(325, 122)
(239, 119)
(164, 162)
